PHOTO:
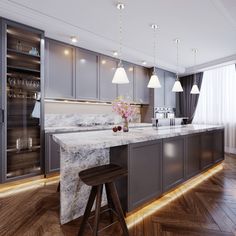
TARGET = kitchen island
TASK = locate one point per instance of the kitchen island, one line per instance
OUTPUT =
(157, 160)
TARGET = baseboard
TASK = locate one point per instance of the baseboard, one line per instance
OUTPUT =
(230, 150)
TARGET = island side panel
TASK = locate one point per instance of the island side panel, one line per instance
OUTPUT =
(73, 192)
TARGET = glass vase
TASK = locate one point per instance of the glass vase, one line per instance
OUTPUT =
(125, 125)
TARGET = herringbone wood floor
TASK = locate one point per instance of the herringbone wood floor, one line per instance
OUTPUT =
(207, 210)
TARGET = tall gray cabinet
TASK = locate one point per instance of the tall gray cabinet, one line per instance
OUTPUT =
(86, 75)
(59, 70)
(108, 90)
(159, 93)
(169, 95)
(141, 91)
(164, 97)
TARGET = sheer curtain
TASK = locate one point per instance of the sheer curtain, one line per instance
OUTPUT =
(217, 102)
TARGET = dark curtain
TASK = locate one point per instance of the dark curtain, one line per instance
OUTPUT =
(186, 103)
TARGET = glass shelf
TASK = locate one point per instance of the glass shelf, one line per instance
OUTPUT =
(14, 51)
(23, 69)
(34, 148)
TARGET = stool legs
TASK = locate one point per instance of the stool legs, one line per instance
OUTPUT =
(113, 202)
(109, 201)
(88, 210)
(119, 211)
(58, 187)
(97, 209)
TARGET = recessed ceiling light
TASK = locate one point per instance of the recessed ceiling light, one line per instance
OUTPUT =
(154, 26)
(115, 54)
(120, 6)
(104, 62)
(74, 39)
(66, 52)
(82, 60)
(144, 63)
(177, 40)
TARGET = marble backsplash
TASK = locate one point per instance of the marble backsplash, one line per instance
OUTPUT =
(64, 120)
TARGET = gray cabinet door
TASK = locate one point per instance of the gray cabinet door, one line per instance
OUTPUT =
(127, 90)
(86, 75)
(159, 93)
(145, 172)
(141, 79)
(108, 90)
(170, 100)
(52, 155)
(173, 162)
(218, 146)
(207, 141)
(193, 154)
(59, 70)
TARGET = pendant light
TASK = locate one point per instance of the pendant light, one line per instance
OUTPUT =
(154, 80)
(120, 76)
(195, 89)
(177, 85)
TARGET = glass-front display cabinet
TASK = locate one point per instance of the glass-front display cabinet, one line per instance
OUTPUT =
(22, 51)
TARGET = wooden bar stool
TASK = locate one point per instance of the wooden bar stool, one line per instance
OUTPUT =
(97, 177)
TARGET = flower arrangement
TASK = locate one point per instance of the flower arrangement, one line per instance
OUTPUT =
(124, 108)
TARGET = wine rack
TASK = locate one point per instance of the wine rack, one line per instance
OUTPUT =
(23, 95)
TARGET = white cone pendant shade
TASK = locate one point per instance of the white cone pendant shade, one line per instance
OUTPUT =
(120, 76)
(154, 82)
(195, 89)
(177, 87)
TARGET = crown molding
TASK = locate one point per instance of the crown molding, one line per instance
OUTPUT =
(211, 65)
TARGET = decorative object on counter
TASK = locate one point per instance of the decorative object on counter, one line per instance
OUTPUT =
(19, 46)
(120, 76)
(195, 89)
(125, 110)
(154, 80)
(116, 128)
(177, 85)
(125, 125)
(34, 51)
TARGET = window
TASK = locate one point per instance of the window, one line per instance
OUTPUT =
(217, 102)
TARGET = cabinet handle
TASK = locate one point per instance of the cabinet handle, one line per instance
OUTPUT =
(2, 116)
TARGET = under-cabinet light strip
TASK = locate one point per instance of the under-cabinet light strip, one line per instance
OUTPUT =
(29, 185)
(148, 210)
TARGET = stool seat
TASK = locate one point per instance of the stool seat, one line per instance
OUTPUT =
(97, 177)
(102, 174)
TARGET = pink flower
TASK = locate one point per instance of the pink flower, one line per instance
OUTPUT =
(123, 108)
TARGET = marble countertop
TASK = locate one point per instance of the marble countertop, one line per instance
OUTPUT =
(61, 129)
(74, 142)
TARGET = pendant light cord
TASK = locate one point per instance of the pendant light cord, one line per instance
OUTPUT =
(154, 45)
(120, 34)
(177, 58)
(195, 62)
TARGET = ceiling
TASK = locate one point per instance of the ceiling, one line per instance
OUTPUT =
(208, 25)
